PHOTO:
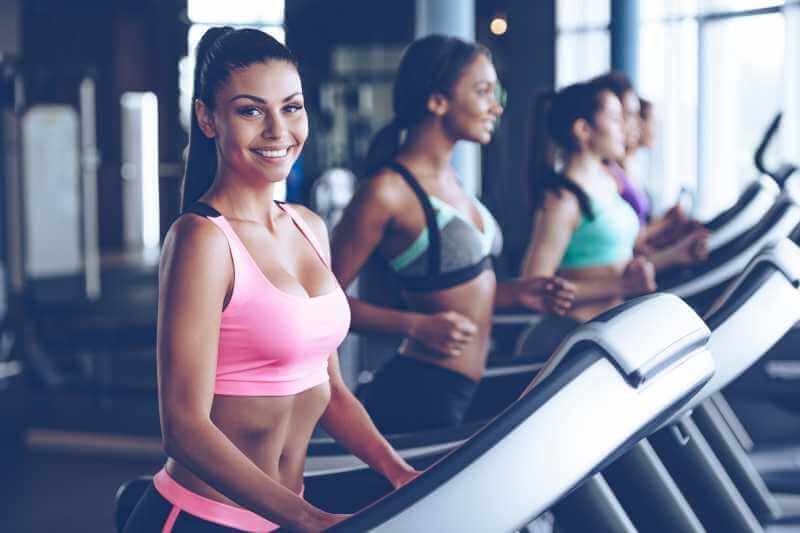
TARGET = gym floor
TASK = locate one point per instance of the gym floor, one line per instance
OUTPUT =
(65, 481)
(69, 492)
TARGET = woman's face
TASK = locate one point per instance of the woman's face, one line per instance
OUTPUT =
(631, 108)
(608, 134)
(647, 130)
(473, 108)
(259, 121)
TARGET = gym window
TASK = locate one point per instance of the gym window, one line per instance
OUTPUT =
(583, 42)
(717, 72)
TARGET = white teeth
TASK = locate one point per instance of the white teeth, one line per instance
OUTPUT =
(273, 153)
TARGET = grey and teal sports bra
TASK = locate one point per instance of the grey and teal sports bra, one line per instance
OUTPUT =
(450, 250)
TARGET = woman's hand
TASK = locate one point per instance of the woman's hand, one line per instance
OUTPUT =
(447, 333)
(403, 477)
(676, 225)
(548, 294)
(693, 248)
(639, 277)
(320, 522)
(676, 215)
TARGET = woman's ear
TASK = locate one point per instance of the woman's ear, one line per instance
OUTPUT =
(581, 130)
(204, 118)
(438, 104)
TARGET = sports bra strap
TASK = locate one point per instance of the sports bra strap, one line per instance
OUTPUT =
(202, 209)
(205, 210)
(434, 246)
(304, 228)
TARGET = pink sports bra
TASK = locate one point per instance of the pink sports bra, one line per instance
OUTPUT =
(273, 343)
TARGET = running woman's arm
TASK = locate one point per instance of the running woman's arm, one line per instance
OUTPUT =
(364, 225)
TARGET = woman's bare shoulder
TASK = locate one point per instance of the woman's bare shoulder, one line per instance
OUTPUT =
(195, 236)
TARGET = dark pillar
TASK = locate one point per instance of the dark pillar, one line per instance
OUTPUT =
(530, 70)
(625, 38)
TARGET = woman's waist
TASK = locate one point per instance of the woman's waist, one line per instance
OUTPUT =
(471, 363)
(473, 299)
(264, 423)
(611, 270)
(596, 255)
(184, 490)
(280, 467)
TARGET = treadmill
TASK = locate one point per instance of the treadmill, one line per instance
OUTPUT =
(785, 169)
(697, 449)
(757, 197)
(531, 454)
(701, 284)
(752, 205)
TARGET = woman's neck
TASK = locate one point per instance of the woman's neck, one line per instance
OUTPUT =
(584, 168)
(237, 199)
(428, 148)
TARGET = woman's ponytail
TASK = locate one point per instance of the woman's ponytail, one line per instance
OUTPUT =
(429, 65)
(384, 146)
(554, 115)
(201, 159)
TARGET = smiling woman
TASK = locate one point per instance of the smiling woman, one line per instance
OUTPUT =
(252, 131)
(437, 240)
(249, 314)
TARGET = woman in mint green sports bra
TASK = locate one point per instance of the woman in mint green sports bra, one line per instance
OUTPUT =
(437, 240)
(583, 229)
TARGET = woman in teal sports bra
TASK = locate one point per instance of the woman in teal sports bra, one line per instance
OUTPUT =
(437, 240)
(583, 229)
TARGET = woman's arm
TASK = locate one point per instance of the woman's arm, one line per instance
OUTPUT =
(345, 417)
(547, 294)
(192, 289)
(364, 223)
(553, 227)
(357, 235)
(346, 420)
(691, 249)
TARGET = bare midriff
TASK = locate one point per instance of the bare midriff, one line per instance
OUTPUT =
(272, 431)
(587, 310)
(473, 299)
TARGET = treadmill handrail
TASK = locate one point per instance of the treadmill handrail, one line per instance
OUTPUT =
(637, 362)
(771, 278)
(764, 185)
(732, 258)
(772, 129)
(782, 255)
(744, 217)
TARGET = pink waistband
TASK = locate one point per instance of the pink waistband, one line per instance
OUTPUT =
(208, 509)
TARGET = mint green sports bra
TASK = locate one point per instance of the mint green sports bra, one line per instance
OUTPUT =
(607, 238)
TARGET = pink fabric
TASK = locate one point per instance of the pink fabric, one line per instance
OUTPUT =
(273, 343)
(206, 508)
(171, 517)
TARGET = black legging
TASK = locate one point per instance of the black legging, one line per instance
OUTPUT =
(150, 515)
(541, 340)
(410, 395)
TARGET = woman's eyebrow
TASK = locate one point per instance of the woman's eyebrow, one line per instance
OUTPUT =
(261, 100)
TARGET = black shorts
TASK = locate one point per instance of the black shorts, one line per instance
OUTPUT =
(409, 395)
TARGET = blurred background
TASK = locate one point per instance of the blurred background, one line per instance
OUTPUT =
(94, 113)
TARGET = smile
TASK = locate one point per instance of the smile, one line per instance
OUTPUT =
(277, 153)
